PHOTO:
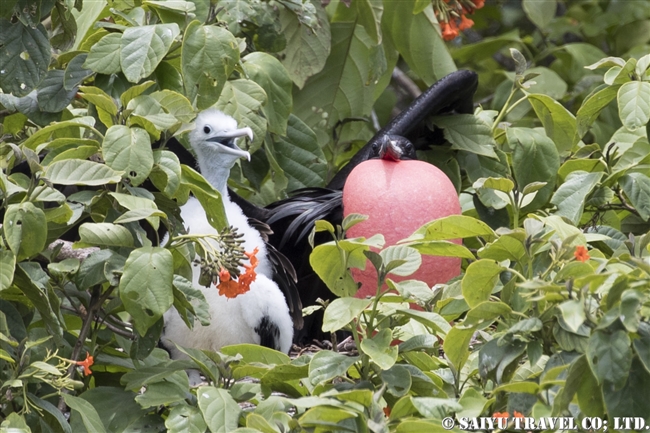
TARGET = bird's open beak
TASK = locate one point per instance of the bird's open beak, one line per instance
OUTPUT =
(227, 140)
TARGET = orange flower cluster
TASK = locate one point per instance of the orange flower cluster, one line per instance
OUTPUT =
(232, 288)
(581, 254)
(85, 364)
(452, 16)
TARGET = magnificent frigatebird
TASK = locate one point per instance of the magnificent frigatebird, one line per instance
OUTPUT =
(260, 315)
(292, 219)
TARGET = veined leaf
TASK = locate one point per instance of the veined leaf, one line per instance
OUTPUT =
(143, 47)
(76, 172)
(104, 56)
(634, 104)
(242, 99)
(26, 56)
(571, 195)
(220, 411)
(128, 150)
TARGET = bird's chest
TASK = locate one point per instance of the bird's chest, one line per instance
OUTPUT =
(197, 223)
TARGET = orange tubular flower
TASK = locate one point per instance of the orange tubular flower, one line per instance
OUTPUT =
(518, 415)
(465, 23)
(500, 415)
(581, 254)
(85, 364)
(449, 30)
(231, 288)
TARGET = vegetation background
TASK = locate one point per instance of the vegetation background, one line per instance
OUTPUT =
(550, 314)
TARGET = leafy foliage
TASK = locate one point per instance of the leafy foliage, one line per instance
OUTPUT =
(550, 314)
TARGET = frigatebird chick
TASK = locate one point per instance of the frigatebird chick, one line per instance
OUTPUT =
(259, 316)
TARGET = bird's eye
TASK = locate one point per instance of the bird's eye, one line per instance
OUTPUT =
(207, 129)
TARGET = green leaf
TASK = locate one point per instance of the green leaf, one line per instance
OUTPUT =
(629, 399)
(300, 156)
(166, 172)
(76, 172)
(634, 104)
(208, 57)
(146, 285)
(129, 150)
(252, 353)
(25, 229)
(14, 423)
(143, 48)
(105, 234)
(571, 195)
(242, 99)
(497, 361)
(430, 407)
(326, 365)
(52, 96)
(482, 315)
(307, 48)
(379, 349)
(7, 266)
(397, 380)
(341, 311)
(504, 248)
(416, 37)
(26, 56)
(573, 313)
(498, 183)
(642, 345)
(637, 188)
(468, 133)
(456, 346)
(100, 98)
(268, 73)
(345, 87)
(541, 13)
(452, 227)
(409, 256)
(592, 107)
(220, 411)
(175, 104)
(328, 263)
(104, 56)
(610, 357)
(442, 249)
(479, 280)
(534, 159)
(185, 419)
(209, 197)
(89, 415)
(559, 123)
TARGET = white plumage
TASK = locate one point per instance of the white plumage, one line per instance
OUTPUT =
(259, 315)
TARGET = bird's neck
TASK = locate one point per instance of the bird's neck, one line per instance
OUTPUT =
(216, 170)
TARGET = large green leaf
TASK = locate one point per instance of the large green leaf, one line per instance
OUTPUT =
(592, 107)
(105, 235)
(143, 47)
(128, 150)
(610, 357)
(104, 56)
(146, 285)
(208, 56)
(220, 411)
(7, 266)
(89, 415)
(25, 230)
(299, 155)
(307, 47)
(379, 349)
(571, 195)
(534, 159)
(209, 197)
(540, 13)
(416, 37)
(479, 280)
(268, 72)
(242, 99)
(637, 188)
(452, 227)
(467, 132)
(25, 53)
(52, 96)
(76, 172)
(456, 345)
(185, 418)
(634, 104)
(326, 365)
(341, 311)
(344, 88)
(166, 172)
(366, 12)
(559, 123)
